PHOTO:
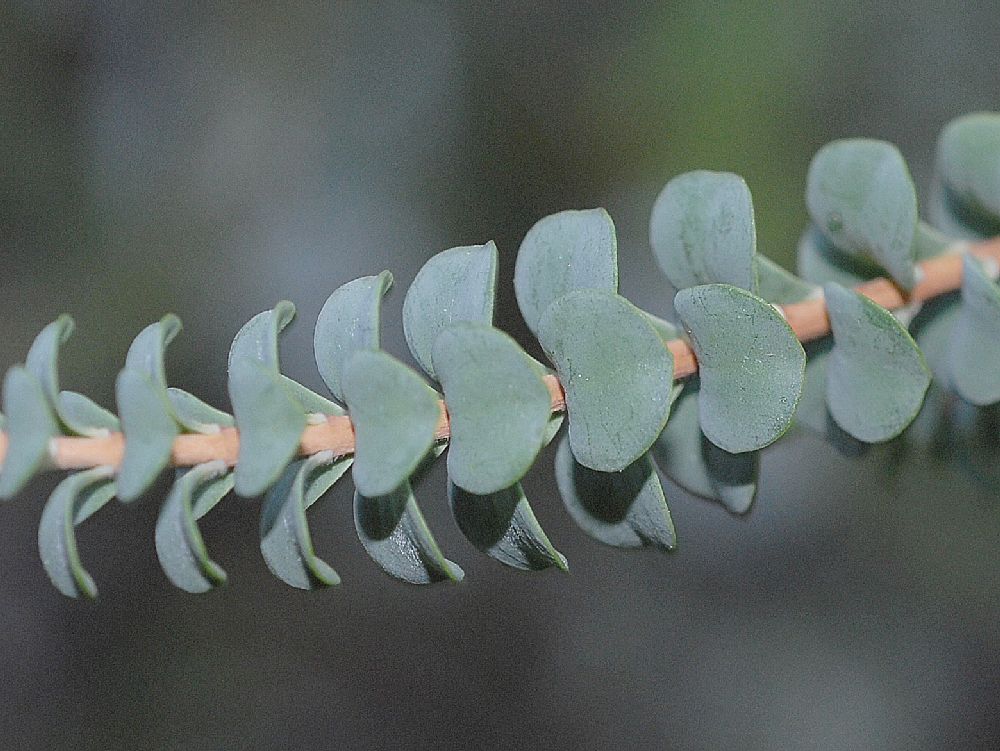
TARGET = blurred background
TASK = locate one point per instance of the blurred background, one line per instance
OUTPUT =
(212, 158)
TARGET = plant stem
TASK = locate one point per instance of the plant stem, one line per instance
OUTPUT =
(808, 319)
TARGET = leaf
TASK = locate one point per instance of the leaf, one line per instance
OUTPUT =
(561, 253)
(395, 416)
(860, 194)
(778, 286)
(969, 162)
(750, 363)
(150, 429)
(82, 416)
(932, 330)
(75, 499)
(179, 544)
(76, 412)
(503, 526)
(195, 416)
(616, 373)
(498, 403)
(812, 410)
(975, 344)
(271, 422)
(955, 219)
(285, 540)
(43, 356)
(819, 262)
(702, 230)
(454, 286)
(688, 458)
(349, 321)
(30, 426)
(395, 535)
(147, 353)
(258, 339)
(876, 376)
(625, 509)
(929, 243)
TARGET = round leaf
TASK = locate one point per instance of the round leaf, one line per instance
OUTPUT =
(969, 162)
(975, 342)
(349, 321)
(394, 533)
(150, 429)
(503, 526)
(179, 544)
(395, 415)
(30, 425)
(688, 458)
(750, 363)
(876, 376)
(616, 372)
(76, 498)
(498, 403)
(564, 252)
(285, 540)
(456, 285)
(271, 422)
(625, 509)
(194, 415)
(702, 230)
(860, 194)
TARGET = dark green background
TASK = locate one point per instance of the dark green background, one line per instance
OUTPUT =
(212, 158)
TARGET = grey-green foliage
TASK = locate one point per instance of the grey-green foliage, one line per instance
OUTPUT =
(861, 196)
(750, 363)
(562, 253)
(616, 373)
(975, 344)
(614, 361)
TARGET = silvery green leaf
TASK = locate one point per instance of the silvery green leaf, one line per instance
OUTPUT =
(932, 329)
(395, 415)
(75, 499)
(625, 509)
(76, 412)
(616, 373)
(394, 533)
(778, 286)
(285, 540)
(666, 330)
(194, 415)
(84, 417)
(455, 285)
(30, 426)
(258, 339)
(561, 253)
(150, 429)
(147, 354)
(179, 544)
(688, 458)
(954, 219)
(750, 363)
(349, 321)
(975, 342)
(969, 161)
(309, 400)
(819, 262)
(812, 411)
(271, 421)
(702, 230)
(860, 194)
(929, 242)
(503, 525)
(876, 376)
(498, 403)
(552, 427)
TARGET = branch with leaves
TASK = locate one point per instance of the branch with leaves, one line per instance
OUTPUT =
(883, 301)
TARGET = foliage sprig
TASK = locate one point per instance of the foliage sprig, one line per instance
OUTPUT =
(699, 399)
